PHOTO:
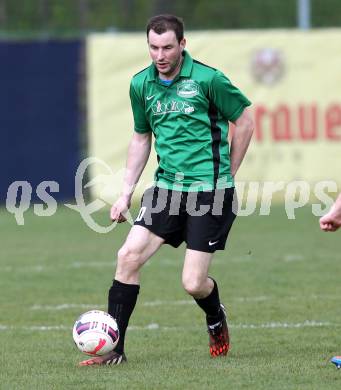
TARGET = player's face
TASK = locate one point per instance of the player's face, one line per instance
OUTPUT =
(166, 53)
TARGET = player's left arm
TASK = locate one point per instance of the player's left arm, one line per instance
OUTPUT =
(240, 140)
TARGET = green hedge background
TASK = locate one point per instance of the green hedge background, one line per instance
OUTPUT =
(77, 17)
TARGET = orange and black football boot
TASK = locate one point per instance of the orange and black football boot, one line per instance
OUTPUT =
(219, 340)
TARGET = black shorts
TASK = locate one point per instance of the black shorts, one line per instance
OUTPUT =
(201, 219)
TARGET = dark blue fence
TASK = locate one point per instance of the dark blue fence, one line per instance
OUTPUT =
(40, 114)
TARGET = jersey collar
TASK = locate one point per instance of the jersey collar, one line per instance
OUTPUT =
(186, 68)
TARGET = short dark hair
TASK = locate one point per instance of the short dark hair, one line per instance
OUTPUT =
(162, 23)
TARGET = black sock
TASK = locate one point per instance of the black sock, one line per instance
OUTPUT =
(211, 305)
(121, 302)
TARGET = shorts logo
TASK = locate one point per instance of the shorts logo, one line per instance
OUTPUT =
(141, 214)
(210, 243)
(188, 89)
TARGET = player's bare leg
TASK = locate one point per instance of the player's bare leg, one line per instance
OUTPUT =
(195, 278)
(139, 246)
(205, 292)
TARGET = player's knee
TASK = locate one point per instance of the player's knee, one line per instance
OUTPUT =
(192, 286)
(128, 258)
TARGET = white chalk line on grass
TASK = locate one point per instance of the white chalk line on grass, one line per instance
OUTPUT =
(281, 325)
(39, 328)
(192, 302)
(95, 264)
(163, 262)
(289, 258)
(67, 306)
(51, 267)
(268, 325)
(261, 298)
(155, 326)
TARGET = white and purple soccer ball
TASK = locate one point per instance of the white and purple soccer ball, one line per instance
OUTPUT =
(95, 333)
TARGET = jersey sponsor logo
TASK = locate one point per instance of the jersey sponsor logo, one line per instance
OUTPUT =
(150, 97)
(187, 89)
(172, 106)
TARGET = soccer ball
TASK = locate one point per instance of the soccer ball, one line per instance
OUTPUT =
(95, 333)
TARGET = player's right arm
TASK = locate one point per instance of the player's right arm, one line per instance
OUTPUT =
(138, 154)
(332, 220)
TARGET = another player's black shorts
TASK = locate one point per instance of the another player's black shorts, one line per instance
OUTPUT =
(201, 219)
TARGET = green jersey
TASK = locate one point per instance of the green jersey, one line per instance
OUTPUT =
(189, 120)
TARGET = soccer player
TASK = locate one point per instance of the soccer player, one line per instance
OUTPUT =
(330, 223)
(186, 106)
(332, 220)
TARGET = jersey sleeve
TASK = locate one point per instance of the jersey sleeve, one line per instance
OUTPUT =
(227, 98)
(141, 124)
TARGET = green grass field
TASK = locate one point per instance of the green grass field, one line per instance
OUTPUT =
(280, 280)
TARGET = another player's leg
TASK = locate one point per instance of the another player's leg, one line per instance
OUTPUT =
(205, 292)
(140, 245)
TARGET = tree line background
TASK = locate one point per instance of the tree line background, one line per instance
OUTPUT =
(75, 17)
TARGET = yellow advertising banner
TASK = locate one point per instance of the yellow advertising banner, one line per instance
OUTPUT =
(293, 79)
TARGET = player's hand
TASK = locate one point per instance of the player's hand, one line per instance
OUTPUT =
(329, 224)
(119, 209)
